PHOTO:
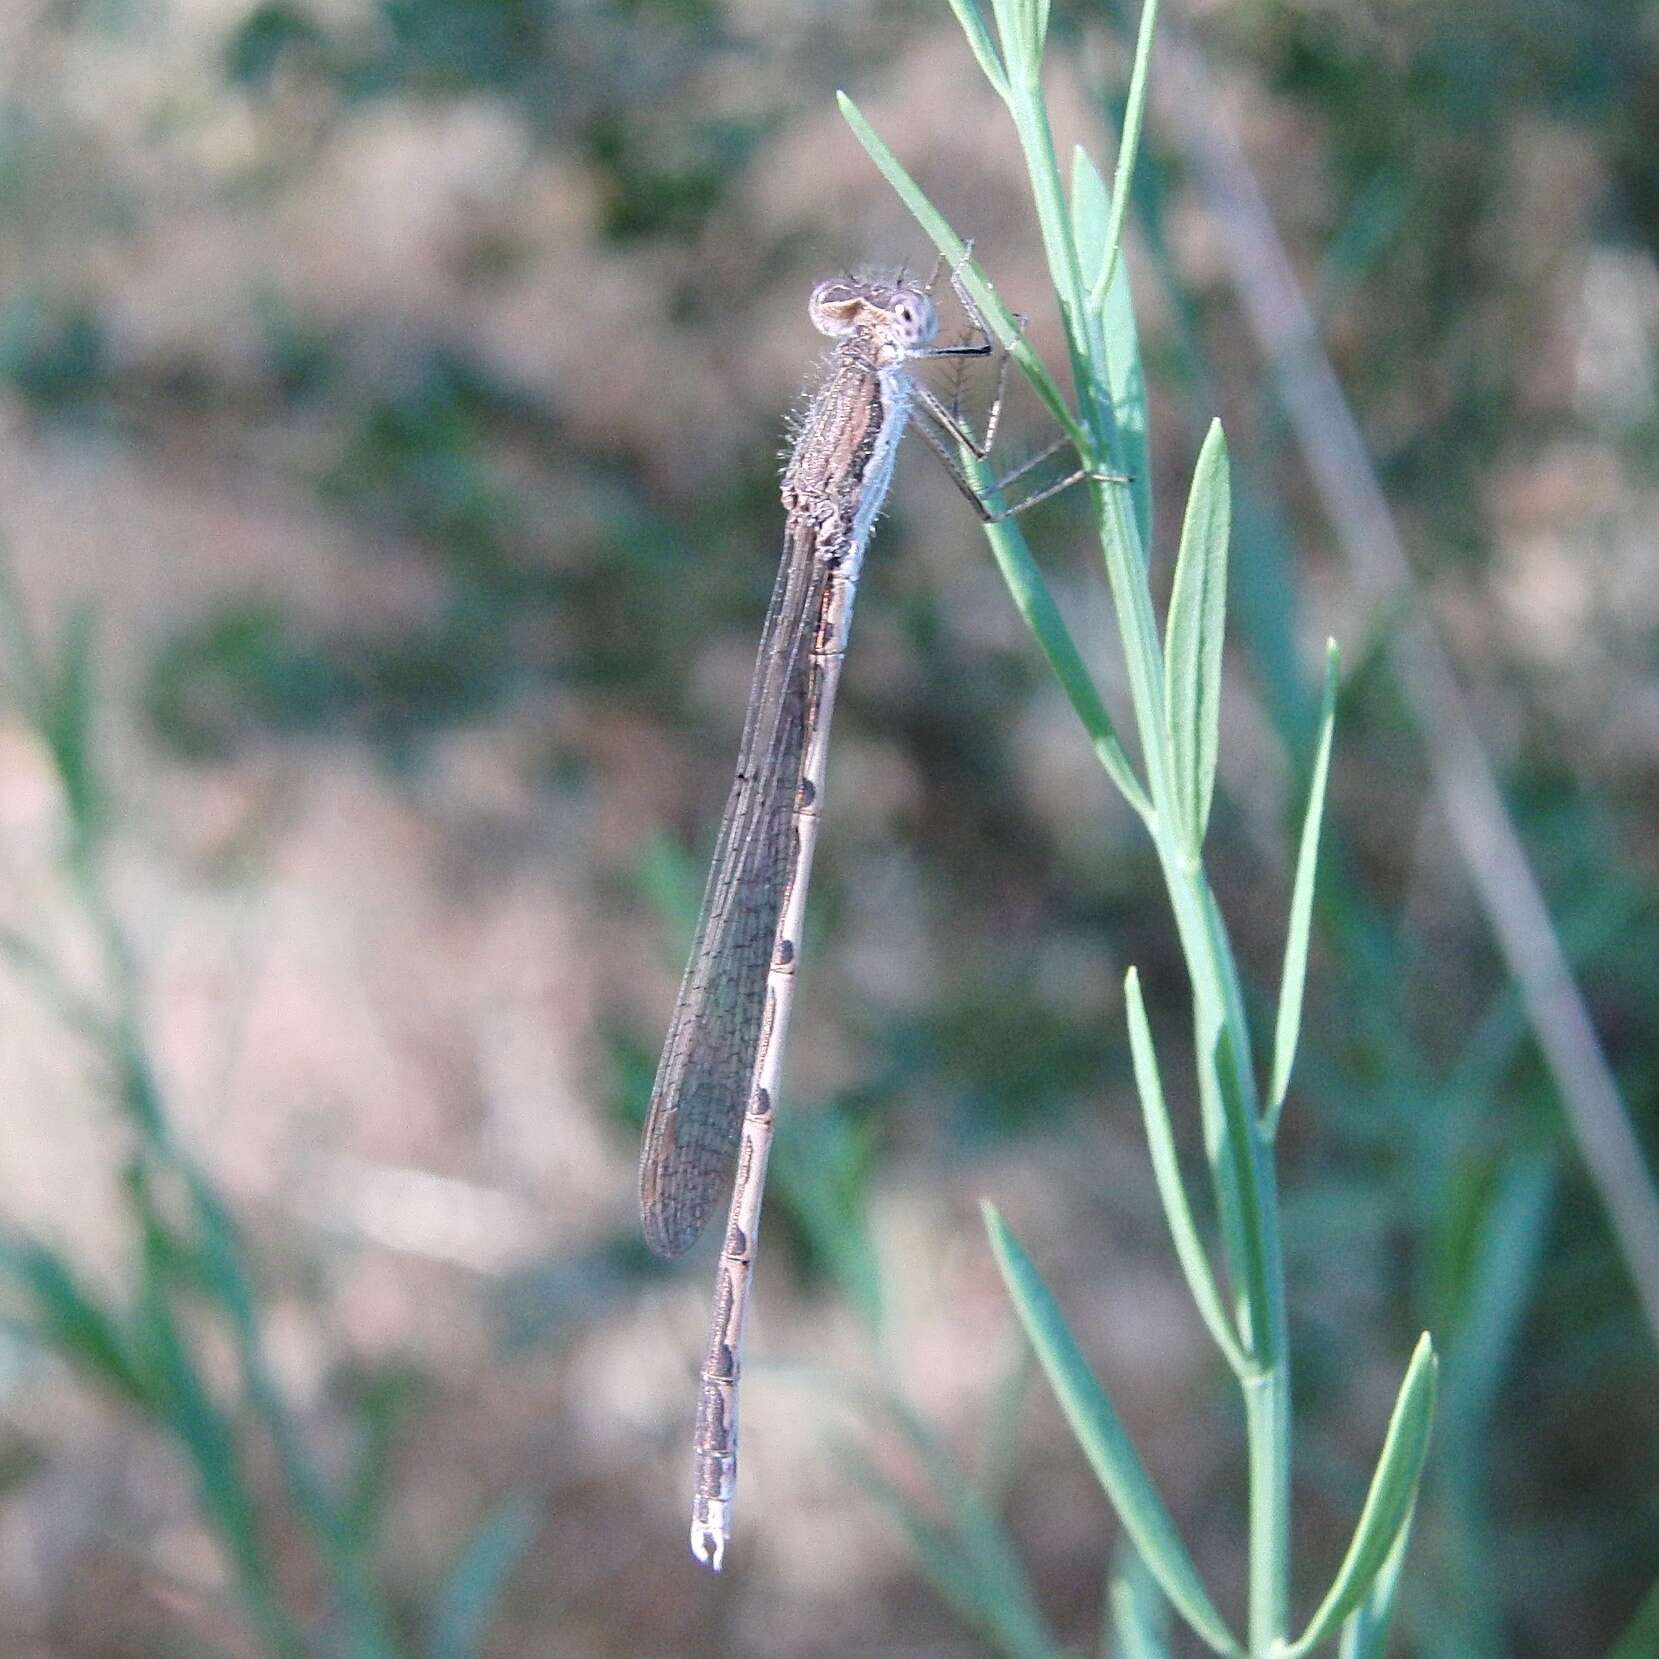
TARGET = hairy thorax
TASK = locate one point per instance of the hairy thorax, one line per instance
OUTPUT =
(838, 439)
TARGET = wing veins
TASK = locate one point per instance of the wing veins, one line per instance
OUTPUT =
(706, 1072)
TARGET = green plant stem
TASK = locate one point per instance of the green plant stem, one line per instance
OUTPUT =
(1217, 1011)
(1256, 1262)
(1054, 222)
(1267, 1429)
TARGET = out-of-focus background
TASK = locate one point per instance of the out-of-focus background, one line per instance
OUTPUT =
(398, 383)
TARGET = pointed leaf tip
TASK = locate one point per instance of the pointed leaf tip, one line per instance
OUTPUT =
(1388, 1503)
(1100, 1433)
(1166, 1171)
(1197, 623)
(1293, 976)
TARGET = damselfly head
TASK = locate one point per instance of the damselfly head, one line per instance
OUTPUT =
(893, 313)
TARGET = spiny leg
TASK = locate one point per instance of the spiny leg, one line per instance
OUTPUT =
(976, 317)
(939, 265)
(949, 422)
(952, 422)
(951, 418)
(996, 515)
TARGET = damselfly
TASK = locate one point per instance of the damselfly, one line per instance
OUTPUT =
(717, 1083)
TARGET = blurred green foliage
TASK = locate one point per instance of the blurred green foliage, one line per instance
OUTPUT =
(149, 1346)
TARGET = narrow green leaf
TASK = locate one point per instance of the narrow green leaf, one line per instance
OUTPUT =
(68, 1320)
(969, 1561)
(467, 1601)
(1138, 1616)
(1127, 381)
(979, 1535)
(186, 1407)
(69, 731)
(1192, 648)
(1294, 976)
(972, 20)
(55, 696)
(1365, 1635)
(1092, 211)
(1128, 151)
(1105, 1443)
(1023, 26)
(1250, 1247)
(1232, 989)
(1004, 324)
(1387, 1504)
(1132, 1638)
(1503, 1277)
(1039, 33)
(385, 1401)
(1166, 1168)
(941, 1562)
(214, 1261)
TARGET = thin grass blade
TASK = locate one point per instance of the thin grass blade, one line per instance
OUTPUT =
(1092, 212)
(1295, 973)
(1023, 26)
(1131, 1638)
(1128, 152)
(69, 727)
(1035, 603)
(1251, 1247)
(1091, 209)
(383, 1412)
(1127, 381)
(1192, 647)
(32, 965)
(1231, 986)
(1387, 1505)
(984, 49)
(978, 1532)
(1502, 1279)
(1137, 1616)
(470, 1594)
(1365, 1635)
(936, 1554)
(185, 1406)
(67, 1319)
(1105, 1442)
(976, 1576)
(56, 697)
(1166, 1168)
